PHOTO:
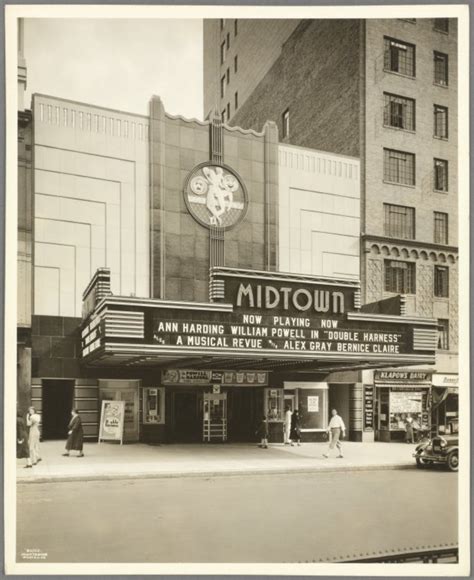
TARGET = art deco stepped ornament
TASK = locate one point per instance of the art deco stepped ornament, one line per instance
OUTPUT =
(215, 196)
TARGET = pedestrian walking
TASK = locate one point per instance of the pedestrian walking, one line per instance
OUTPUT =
(75, 435)
(33, 421)
(336, 430)
(409, 429)
(262, 432)
(22, 447)
(287, 427)
(295, 433)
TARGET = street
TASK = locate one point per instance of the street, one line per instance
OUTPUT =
(254, 518)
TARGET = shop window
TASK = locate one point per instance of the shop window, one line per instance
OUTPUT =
(441, 281)
(399, 112)
(443, 334)
(440, 122)
(399, 221)
(285, 123)
(400, 277)
(399, 57)
(399, 167)
(153, 405)
(441, 25)
(440, 69)
(440, 175)
(440, 227)
(406, 405)
(273, 401)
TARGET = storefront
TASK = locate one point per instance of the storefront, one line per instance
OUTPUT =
(445, 403)
(269, 342)
(401, 395)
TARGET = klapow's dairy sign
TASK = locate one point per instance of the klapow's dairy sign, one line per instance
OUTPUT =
(260, 315)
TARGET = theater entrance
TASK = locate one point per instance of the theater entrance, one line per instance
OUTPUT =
(186, 411)
(58, 397)
(245, 413)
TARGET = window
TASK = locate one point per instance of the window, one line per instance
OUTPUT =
(440, 175)
(73, 119)
(223, 87)
(399, 57)
(236, 100)
(441, 69)
(441, 121)
(223, 115)
(441, 281)
(222, 23)
(65, 117)
(227, 75)
(222, 53)
(399, 277)
(399, 167)
(441, 25)
(273, 401)
(236, 31)
(399, 221)
(399, 112)
(236, 63)
(285, 123)
(228, 111)
(228, 41)
(443, 334)
(440, 228)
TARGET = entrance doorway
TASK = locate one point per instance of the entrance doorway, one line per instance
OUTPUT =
(187, 417)
(245, 413)
(58, 397)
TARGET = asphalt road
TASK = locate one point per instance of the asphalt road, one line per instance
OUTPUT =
(262, 518)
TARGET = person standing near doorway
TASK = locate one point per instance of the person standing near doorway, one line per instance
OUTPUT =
(262, 432)
(409, 433)
(33, 421)
(22, 447)
(336, 430)
(295, 433)
(287, 427)
(75, 435)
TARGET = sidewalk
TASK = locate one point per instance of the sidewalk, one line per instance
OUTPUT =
(112, 461)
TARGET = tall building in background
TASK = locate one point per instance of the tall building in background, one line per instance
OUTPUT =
(384, 91)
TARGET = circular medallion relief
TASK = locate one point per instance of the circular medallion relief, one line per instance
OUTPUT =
(215, 196)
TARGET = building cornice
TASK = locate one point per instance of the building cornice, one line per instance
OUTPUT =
(405, 242)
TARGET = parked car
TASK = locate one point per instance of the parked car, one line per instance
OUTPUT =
(441, 449)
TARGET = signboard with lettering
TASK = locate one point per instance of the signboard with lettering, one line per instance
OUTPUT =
(270, 317)
(112, 418)
(313, 404)
(402, 376)
(197, 377)
(368, 408)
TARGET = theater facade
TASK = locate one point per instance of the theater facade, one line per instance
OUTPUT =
(206, 276)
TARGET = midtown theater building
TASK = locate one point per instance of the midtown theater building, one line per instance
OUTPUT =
(204, 274)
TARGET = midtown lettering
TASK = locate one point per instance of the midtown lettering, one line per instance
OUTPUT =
(270, 297)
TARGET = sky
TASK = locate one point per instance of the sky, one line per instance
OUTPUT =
(117, 63)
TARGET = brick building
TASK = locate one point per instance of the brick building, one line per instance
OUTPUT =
(386, 92)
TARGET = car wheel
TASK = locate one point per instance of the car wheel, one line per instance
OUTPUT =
(421, 463)
(453, 461)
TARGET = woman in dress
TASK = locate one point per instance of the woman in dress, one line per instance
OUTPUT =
(33, 421)
(22, 448)
(295, 433)
(75, 435)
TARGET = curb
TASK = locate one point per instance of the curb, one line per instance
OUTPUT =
(229, 473)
